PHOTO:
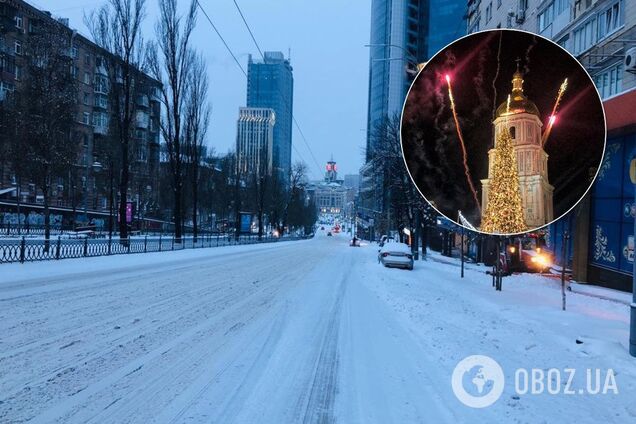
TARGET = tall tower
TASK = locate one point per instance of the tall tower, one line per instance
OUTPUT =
(270, 84)
(521, 117)
(254, 141)
(331, 171)
(404, 33)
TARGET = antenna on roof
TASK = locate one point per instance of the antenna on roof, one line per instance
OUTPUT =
(289, 54)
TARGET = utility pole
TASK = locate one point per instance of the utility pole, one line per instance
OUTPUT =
(461, 249)
(632, 327)
(564, 252)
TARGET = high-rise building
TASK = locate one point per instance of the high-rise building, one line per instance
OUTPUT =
(404, 34)
(254, 140)
(270, 84)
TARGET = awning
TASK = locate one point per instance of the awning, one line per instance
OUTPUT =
(6, 190)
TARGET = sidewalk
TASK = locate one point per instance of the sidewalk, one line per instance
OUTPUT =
(575, 287)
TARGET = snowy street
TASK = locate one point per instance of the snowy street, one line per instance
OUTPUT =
(305, 331)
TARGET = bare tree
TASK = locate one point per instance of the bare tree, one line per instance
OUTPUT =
(171, 58)
(45, 110)
(116, 27)
(298, 178)
(197, 121)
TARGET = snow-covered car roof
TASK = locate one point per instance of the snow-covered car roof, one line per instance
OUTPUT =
(396, 247)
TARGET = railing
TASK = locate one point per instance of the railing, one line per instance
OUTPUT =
(29, 250)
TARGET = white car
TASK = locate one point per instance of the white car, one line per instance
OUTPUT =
(394, 254)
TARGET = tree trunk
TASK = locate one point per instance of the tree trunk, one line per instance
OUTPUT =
(47, 219)
(195, 207)
(111, 200)
(123, 194)
(19, 194)
(178, 216)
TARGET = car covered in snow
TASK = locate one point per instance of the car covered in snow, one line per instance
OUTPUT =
(394, 254)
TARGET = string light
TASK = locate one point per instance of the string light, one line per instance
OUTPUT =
(504, 210)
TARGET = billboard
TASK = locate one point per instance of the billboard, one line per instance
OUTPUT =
(245, 224)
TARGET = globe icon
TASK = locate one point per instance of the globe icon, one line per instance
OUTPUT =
(477, 381)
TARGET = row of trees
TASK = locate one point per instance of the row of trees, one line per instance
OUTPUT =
(402, 206)
(38, 121)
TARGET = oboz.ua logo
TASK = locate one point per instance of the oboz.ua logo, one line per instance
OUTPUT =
(478, 381)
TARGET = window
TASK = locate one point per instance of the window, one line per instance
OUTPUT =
(101, 84)
(512, 132)
(86, 118)
(585, 36)
(74, 71)
(18, 72)
(100, 119)
(87, 59)
(610, 81)
(74, 52)
(17, 47)
(562, 6)
(87, 100)
(101, 101)
(546, 17)
(85, 139)
(609, 20)
(87, 78)
(498, 4)
(489, 12)
(18, 21)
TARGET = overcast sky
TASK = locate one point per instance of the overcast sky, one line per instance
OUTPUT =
(330, 64)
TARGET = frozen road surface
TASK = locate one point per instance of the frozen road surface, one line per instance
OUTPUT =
(297, 332)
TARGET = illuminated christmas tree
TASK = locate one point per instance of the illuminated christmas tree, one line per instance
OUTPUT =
(504, 211)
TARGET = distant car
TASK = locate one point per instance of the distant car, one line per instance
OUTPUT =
(394, 254)
(322, 228)
(328, 233)
(354, 242)
(384, 240)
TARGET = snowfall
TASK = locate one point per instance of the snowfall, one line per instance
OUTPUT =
(304, 331)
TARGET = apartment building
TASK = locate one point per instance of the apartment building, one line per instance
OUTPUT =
(87, 186)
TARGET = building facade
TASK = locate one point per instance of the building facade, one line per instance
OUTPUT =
(254, 140)
(330, 194)
(601, 34)
(87, 185)
(270, 84)
(521, 118)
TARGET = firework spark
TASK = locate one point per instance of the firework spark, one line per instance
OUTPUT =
(461, 142)
(552, 119)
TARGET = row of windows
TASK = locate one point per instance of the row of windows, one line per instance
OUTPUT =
(610, 81)
(554, 9)
(597, 27)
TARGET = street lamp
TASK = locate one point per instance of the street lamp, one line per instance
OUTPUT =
(408, 57)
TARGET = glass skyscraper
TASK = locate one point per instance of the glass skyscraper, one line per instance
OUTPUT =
(270, 84)
(404, 33)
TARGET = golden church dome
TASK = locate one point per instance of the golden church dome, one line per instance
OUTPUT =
(519, 103)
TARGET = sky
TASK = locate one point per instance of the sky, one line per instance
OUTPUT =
(330, 62)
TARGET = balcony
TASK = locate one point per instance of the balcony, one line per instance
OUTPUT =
(142, 119)
(100, 129)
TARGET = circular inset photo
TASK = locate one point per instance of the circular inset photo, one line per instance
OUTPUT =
(503, 131)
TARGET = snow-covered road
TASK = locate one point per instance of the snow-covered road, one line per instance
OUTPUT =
(310, 331)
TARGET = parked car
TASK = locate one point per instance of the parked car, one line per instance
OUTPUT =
(394, 254)
(354, 242)
(328, 233)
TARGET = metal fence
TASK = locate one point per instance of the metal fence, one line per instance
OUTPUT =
(28, 250)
